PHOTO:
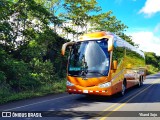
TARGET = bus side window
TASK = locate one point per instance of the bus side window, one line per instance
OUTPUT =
(118, 54)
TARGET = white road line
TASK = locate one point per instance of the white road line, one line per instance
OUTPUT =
(37, 103)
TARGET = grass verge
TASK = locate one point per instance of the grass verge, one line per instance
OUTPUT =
(56, 87)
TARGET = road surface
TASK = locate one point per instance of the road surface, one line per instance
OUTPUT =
(138, 104)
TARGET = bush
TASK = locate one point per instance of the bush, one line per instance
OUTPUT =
(16, 73)
(151, 69)
(42, 71)
(2, 77)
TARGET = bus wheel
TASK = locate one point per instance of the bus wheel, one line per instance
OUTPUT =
(123, 88)
(140, 82)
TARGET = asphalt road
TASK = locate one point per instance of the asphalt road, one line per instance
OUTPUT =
(138, 104)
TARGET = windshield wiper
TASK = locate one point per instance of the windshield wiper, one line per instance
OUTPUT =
(96, 72)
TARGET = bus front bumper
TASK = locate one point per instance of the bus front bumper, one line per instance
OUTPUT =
(95, 90)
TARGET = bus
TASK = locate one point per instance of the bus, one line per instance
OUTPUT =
(102, 63)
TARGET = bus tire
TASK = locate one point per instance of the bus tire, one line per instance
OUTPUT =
(140, 82)
(124, 85)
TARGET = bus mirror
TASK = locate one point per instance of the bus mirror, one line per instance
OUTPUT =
(110, 44)
(64, 46)
(115, 63)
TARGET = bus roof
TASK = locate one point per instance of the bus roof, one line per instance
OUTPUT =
(93, 36)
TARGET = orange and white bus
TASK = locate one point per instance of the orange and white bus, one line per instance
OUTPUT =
(101, 63)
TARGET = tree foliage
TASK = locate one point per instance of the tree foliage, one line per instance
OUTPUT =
(29, 48)
(152, 59)
(152, 62)
(106, 22)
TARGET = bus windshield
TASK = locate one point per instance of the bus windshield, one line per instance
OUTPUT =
(89, 58)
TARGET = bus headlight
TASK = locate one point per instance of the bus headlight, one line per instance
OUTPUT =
(69, 83)
(104, 85)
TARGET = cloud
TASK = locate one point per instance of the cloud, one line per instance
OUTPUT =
(151, 7)
(157, 28)
(147, 41)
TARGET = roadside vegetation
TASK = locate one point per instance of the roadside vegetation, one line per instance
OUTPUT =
(152, 62)
(30, 43)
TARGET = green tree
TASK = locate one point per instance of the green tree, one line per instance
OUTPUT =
(152, 62)
(107, 22)
(27, 40)
(78, 13)
(151, 58)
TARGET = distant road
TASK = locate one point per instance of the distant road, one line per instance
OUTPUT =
(145, 98)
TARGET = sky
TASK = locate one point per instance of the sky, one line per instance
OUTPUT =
(143, 19)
